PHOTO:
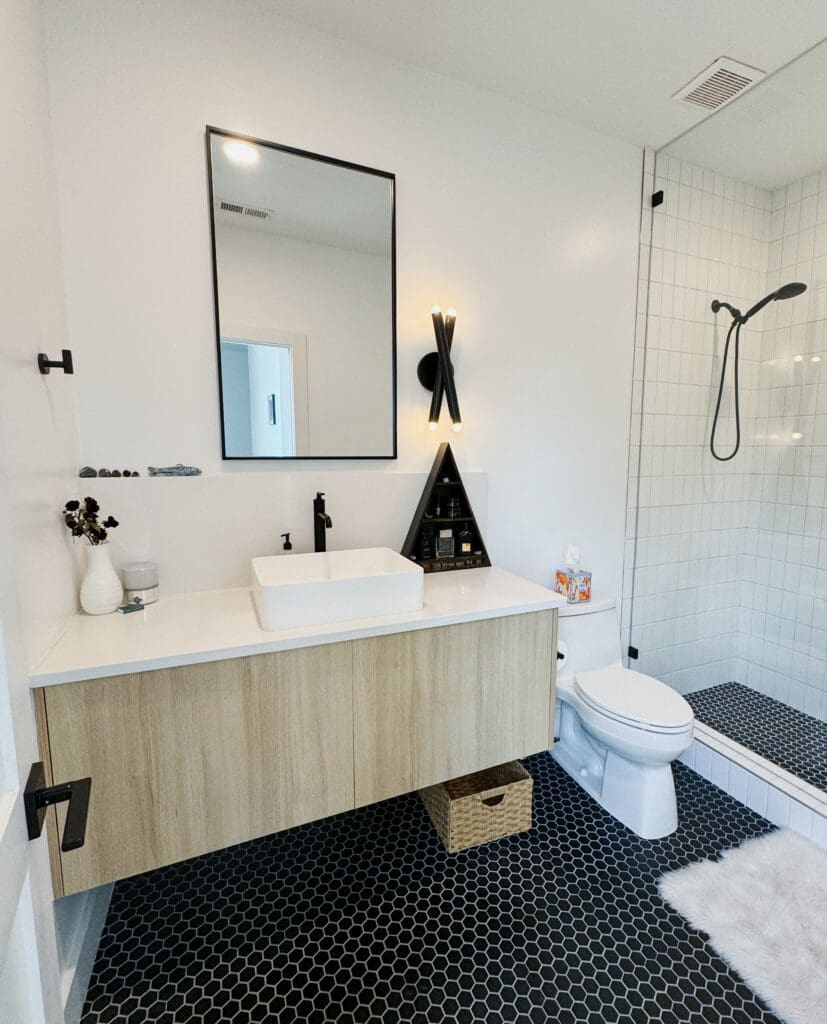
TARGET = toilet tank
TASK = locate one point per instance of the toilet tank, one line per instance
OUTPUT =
(588, 635)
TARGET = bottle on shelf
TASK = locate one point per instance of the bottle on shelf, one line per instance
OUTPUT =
(445, 547)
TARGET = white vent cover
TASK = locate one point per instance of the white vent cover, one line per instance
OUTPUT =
(719, 84)
(259, 213)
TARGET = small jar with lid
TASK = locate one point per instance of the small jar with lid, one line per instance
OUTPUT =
(140, 580)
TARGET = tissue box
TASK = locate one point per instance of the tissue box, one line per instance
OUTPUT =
(576, 587)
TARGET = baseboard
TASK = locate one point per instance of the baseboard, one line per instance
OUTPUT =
(768, 790)
(88, 919)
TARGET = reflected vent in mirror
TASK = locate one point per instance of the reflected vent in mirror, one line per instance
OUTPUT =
(247, 211)
(719, 84)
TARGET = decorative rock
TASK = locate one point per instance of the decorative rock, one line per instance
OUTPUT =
(104, 472)
(116, 472)
(88, 471)
(178, 470)
(127, 472)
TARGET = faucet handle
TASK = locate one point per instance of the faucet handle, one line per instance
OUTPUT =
(287, 545)
(319, 495)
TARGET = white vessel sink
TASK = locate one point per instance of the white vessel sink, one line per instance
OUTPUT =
(309, 590)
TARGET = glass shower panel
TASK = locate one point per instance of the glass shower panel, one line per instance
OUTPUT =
(726, 569)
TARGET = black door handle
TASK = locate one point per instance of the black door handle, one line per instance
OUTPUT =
(38, 796)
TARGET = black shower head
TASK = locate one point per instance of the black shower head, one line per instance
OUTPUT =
(786, 291)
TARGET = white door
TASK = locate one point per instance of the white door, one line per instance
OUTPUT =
(29, 977)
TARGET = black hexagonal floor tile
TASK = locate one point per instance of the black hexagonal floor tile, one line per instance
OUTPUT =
(365, 917)
(788, 738)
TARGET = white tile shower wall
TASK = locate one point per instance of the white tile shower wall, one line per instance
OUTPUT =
(708, 238)
(782, 643)
(728, 576)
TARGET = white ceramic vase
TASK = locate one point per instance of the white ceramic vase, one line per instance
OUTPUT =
(101, 591)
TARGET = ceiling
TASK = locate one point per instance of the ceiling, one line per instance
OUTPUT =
(310, 200)
(774, 134)
(611, 66)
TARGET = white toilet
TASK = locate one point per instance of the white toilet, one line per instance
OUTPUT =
(617, 731)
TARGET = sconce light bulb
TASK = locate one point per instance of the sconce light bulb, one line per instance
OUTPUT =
(436, 310)
(241, 152)
(815, 359)
(797, 435)
(452, 313)
(432, 424)
(798, 359)
(456, 427)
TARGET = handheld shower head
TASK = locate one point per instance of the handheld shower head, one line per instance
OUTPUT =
(786, 291)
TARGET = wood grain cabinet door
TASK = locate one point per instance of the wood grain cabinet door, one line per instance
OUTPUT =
(434, 704)
(192, 759)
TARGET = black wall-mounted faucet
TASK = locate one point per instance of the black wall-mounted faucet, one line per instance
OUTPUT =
(321, 522)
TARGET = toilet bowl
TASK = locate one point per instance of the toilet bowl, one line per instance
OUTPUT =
(617, 731)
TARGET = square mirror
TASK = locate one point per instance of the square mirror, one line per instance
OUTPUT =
(304, 267)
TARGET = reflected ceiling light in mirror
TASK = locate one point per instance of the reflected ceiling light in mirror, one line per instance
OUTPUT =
(797, 435)
(242, 153)
(815, 359)
(436, 371)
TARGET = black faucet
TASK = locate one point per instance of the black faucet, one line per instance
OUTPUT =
(321, 522)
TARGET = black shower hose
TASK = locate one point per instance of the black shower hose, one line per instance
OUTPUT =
(734, 326)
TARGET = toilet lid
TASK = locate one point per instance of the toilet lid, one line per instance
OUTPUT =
(633, 697)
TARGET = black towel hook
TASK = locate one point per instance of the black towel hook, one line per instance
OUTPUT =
(45, 365)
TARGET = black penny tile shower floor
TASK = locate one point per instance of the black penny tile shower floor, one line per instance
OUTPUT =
(789, 738)
(364, 917)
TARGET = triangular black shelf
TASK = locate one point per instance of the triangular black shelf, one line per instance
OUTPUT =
(445, 493)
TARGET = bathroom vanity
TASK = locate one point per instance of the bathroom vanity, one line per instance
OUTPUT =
(199, 730)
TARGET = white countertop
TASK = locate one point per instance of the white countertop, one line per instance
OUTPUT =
(213, 625)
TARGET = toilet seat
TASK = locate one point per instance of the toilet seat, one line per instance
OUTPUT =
(634, 699)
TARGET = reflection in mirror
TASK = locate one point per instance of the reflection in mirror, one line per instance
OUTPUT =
(305, 302)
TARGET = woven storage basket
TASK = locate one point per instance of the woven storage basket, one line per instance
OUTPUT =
(480, 807)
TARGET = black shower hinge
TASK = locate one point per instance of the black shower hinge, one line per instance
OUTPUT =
(633, 652)
(657, 198)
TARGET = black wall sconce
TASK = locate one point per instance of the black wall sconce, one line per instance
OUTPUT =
(436, 371)
(45, 364)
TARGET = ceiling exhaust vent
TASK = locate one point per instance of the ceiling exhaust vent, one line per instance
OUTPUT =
(260, 213)
(719, 84)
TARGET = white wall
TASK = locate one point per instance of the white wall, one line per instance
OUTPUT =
(37, 418)
(526, 223)
(336, 298)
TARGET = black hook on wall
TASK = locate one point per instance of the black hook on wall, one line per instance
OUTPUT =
(45, 365)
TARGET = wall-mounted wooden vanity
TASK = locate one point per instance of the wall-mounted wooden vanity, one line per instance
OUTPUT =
(200, 731)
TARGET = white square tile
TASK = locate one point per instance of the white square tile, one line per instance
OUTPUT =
(800, 818)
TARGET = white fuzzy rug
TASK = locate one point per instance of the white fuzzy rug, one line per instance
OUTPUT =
(764, 907)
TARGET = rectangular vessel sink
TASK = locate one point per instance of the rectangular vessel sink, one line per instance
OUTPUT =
(309, 590)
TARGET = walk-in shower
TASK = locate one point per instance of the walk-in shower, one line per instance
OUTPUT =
(725, 588)
(787, 291)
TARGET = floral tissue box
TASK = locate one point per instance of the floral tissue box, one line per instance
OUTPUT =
(575, 586)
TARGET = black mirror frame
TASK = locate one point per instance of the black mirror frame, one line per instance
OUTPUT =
(388, 176)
